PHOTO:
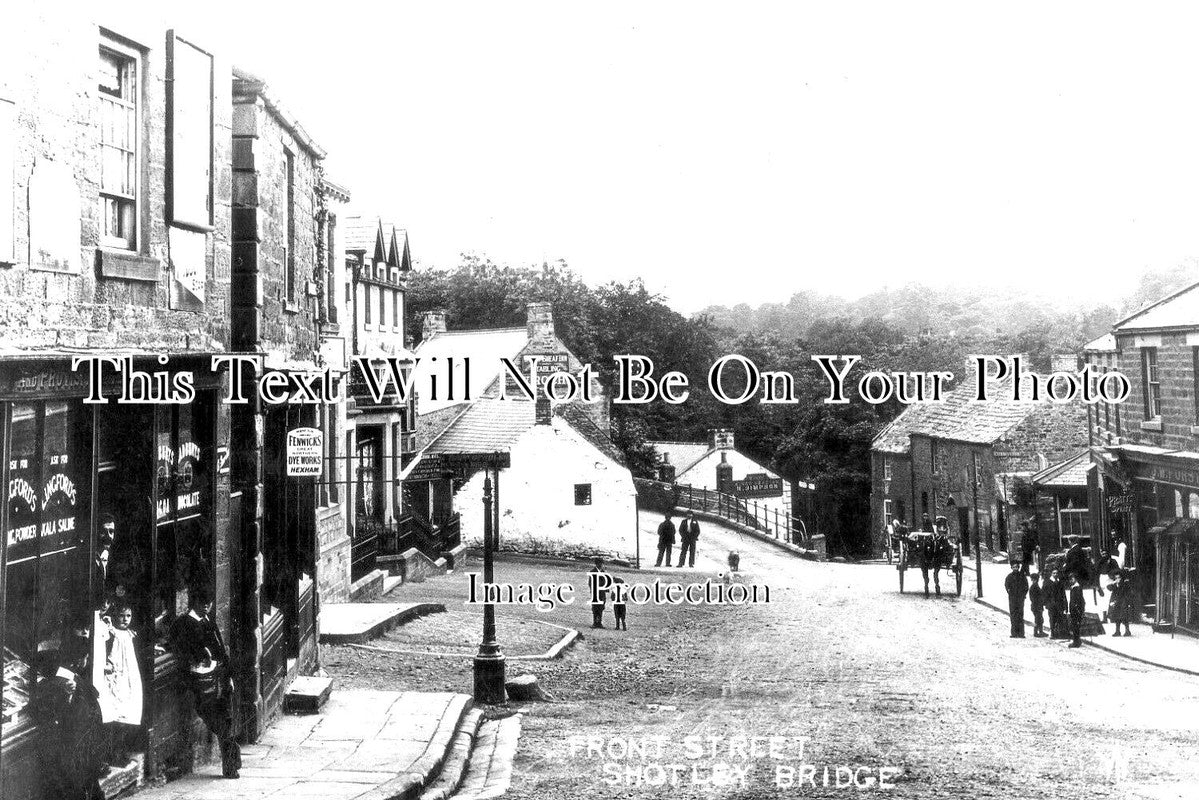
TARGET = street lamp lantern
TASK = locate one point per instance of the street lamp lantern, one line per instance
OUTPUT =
(489, 663)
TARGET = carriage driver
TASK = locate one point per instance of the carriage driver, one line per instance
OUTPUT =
(938, 554)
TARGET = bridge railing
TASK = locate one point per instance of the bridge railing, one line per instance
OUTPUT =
(659, 496)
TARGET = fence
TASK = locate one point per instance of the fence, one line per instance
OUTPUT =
(664, 497)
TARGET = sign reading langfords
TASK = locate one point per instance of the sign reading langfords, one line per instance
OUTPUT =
(304, 449)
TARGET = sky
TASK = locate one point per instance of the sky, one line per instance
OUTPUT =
(742, 152)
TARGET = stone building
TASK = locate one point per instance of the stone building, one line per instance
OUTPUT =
(276, 313)
(563, 485)
(971, 462)
(115, 200)
(1145, 485)
(379, 429)
(717, 465)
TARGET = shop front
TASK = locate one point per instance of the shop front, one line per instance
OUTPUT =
(1178, 576)
(71, 467)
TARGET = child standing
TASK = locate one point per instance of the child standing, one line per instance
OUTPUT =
(121, 691)
(1036, 599)
(619, 607)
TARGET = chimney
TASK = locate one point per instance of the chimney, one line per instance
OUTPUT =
(432, 323)
(540, 320)
(724, 475)
(666, 471)
(542, 413)
(720, 438)
(1064, 362)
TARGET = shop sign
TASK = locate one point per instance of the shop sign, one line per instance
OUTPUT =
(1120, 503)
(429, 468)
(758, 484)
(1180, 477)
(305, 447)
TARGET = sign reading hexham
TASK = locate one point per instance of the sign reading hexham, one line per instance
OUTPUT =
(304, 449)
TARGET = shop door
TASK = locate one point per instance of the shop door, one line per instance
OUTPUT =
(288, 591)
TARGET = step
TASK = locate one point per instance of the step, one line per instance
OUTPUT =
(454, 768)
(357, 623)
(120, 779)
(391, 582)
(307, 694)
(489, 771)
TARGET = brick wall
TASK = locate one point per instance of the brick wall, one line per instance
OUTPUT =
(1176, 373)
(333, 564)
(898, 490)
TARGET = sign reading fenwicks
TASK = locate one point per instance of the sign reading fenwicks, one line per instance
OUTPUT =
(304, 449)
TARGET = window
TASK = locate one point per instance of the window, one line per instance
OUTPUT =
(934, 457)
(189, 81)
(1195, 380)
(1153, 389)
(289, 225)
(395, 309)
(382, 307)
(366, 303)
(331, 268)
(48, 558)
(118, 146)
(582, 494)
(886, 468)
(887, 516)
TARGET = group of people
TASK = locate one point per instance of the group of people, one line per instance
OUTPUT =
(1062, 595)
(92, 696)
(688, 532)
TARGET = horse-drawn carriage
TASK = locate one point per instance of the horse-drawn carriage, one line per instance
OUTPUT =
(930, 551)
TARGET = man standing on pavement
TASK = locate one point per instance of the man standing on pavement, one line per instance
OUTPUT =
(1077, 609)
(665, 541)
(688, 535)
(1017, 588)
(1028, 546)
(1036, 600)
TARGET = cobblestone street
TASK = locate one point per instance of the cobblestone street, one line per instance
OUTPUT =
(932, 688)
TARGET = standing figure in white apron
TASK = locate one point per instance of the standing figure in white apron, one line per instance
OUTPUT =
(121, 689)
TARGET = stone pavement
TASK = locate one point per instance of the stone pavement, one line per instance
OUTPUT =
(364, 744)
(344, 623)
(1177, 652)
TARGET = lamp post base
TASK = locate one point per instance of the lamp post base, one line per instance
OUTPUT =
(490, 679)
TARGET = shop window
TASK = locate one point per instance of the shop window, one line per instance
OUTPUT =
(48, 559)
(1178, 504)
(582, 494)
(1193, 505)
(119, 135)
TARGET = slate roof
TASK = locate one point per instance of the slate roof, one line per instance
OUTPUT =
(1179, 310)
(493, 426)
(1072, 472)
(1104, 344)
(484, 349)
(361, 234)
(487, 426)
(429, 425)
(577, 417)
(959, 418)
(683, 455)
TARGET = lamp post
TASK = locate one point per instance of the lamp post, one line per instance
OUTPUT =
(489, 663)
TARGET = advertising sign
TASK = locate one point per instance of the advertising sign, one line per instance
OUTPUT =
(304, 449)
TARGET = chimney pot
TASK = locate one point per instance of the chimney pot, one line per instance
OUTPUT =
(540, 320)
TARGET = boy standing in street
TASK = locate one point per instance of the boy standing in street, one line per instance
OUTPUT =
(1036, 600)
(1077, 609)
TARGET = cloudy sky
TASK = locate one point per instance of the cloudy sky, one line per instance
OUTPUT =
(744, 151)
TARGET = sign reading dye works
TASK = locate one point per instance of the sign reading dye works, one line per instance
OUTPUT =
(758, 484)
(304, 449)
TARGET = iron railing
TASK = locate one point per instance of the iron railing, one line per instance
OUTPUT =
(664, 497)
